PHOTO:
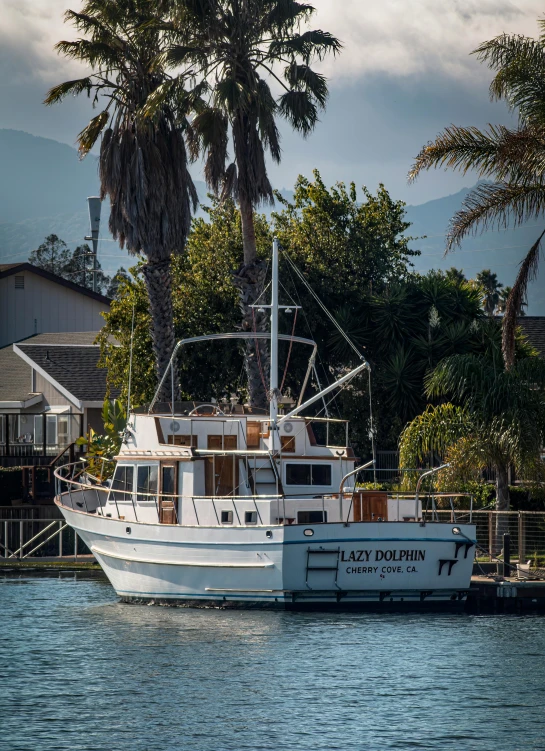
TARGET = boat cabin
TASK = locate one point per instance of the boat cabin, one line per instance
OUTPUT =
(209, 465)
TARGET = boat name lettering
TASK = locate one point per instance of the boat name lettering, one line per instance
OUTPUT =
(382, 555)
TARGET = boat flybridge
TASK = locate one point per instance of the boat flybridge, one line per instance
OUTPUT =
(228, 506)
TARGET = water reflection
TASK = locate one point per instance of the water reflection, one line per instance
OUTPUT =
(82, 671)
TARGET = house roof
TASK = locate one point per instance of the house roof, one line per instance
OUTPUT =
(534, 329)
(74, 368)
(15, 383)
(8, 269)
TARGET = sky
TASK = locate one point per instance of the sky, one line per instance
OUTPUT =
(405, 73)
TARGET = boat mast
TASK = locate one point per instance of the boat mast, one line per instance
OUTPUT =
(273, 400)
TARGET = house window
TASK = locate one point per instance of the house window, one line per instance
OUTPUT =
(308, 474)
(2, 428)
(250, 517)
(146, 482)
(311, 517)
(19, 282)
(287, 443)
(122, 483)
(183, 440)
(57, 430)
(226, 517)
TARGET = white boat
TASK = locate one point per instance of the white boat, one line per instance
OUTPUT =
(221, 505)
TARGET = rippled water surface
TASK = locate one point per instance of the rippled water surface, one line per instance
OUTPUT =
(80, 671)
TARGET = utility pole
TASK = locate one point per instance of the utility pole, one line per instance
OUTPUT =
(95, 205)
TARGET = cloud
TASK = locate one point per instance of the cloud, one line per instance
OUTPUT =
(29, 31)
(418, 37)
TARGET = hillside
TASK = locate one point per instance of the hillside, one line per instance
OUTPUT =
(44, 187)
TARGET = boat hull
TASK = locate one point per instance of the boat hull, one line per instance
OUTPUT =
(359, 566)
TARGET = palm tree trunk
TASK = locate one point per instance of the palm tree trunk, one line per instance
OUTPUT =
(158, 280)
(502, 504)
(250, 281)
(248, 232)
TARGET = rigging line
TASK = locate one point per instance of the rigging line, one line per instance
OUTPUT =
(307, 324)
(325, 310)
(258, 352)
(372, 430)
(289, 351)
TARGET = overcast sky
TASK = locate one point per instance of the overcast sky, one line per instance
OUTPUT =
(405, 73)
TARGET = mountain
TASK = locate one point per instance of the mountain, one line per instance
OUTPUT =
(44, 187)
(498, 249)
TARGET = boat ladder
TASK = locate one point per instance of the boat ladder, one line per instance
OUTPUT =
(328, 560)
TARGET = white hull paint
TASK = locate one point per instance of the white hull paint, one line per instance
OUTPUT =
(363, 564)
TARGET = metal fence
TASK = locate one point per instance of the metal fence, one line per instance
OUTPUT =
(37, 533)
(525, 528)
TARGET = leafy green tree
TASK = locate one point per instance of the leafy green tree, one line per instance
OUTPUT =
(79, 270)
(511, 157)
(142, 161)
(52, 255)
(491, 290)
(241, 47)
(205, 302)
(116, 282)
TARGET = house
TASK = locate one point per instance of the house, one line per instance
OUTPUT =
(33, 301)
(51, 393)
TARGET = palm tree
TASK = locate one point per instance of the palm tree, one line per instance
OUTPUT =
(504, 297)
(513, 158)
(240, 47)
(491, 288)
(142, 162)
(500, 417)
(455, 275)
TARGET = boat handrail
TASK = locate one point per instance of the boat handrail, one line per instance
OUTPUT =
(229, 335)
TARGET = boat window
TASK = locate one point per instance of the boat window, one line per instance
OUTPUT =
(226, 517)
(321, 474)
(287, 443)
(146, 482)
(250, 517)
(308, 474)
(122, 484)
(168, 485)
(311, 517)
(183, 440)
(218, 442)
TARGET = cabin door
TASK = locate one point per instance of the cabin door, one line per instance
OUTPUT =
(168, 490)
(221, 472)
(370, 506)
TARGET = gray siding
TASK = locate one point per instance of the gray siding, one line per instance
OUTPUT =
(44, 307)
(52, 397)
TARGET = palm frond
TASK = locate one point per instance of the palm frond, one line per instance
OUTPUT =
(303, 78)
(309, 44)
(496, 152)
(300, 111)
(78, 86)
(495, 205)
(527, 272)
(211, 126)
(89, 135)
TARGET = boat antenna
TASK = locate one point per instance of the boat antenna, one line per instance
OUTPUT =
(130, 360)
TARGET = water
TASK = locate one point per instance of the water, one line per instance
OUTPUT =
(81, 672)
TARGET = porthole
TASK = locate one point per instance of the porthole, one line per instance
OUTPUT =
(128, 530)
(456, 531)
(226, 517)
(268, 534)
(308, 532)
